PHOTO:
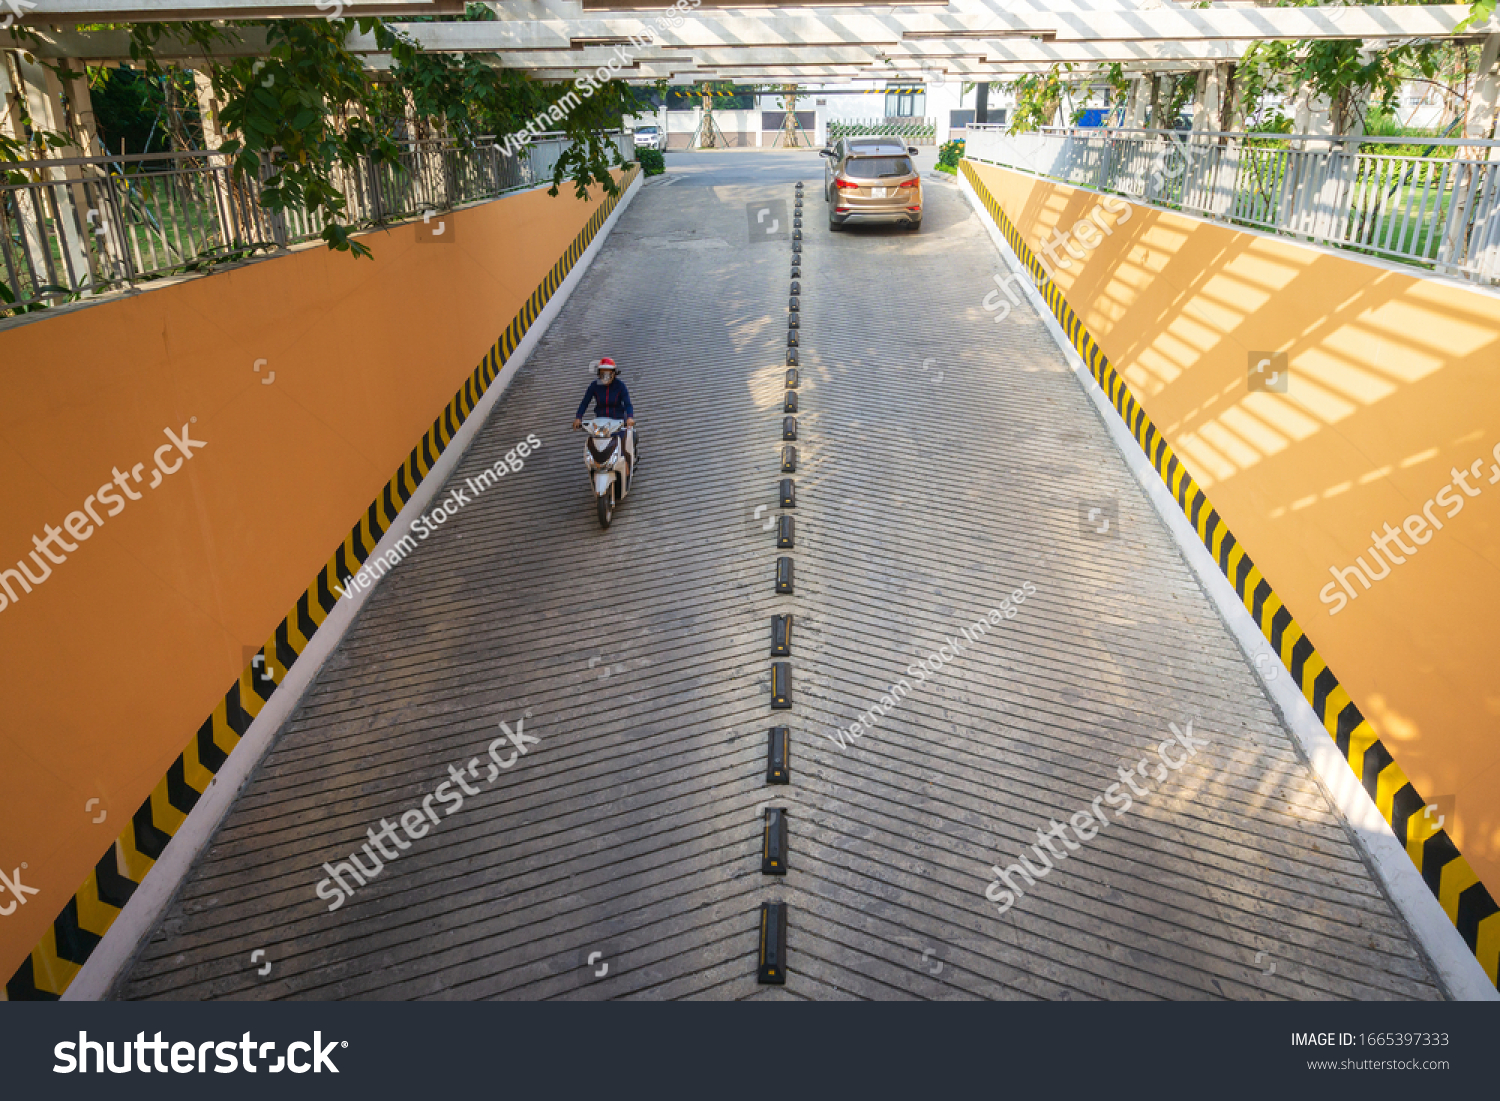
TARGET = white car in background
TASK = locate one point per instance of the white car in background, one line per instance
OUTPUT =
(647, 137)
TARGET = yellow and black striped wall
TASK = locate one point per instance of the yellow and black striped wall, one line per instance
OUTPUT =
(1464, 898)
(66, 944)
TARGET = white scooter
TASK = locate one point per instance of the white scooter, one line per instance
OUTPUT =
(610, 469)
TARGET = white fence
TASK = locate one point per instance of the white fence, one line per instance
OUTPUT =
(1439, 212)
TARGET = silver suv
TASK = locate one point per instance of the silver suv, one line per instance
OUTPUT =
(872, 179)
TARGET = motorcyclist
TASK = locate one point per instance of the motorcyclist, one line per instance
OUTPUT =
(611, 400)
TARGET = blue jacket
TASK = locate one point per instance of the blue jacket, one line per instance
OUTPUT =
(611, 401)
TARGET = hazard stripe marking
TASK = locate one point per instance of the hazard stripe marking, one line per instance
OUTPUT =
(55, 961)
(1468, 904)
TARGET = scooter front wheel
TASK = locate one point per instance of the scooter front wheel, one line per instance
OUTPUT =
(606, 505)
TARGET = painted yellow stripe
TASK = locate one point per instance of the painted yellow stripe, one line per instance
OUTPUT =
(1458, 877)
(53, 974)
(1488, 947)
(50, 971)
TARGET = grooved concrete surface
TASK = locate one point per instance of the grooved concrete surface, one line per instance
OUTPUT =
(946, 460)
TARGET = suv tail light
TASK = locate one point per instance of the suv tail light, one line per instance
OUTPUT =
(908, 183)
(846, 184)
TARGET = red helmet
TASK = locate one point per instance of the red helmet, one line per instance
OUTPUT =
(605, 364)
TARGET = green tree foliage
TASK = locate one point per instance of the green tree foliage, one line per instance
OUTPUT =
(309, 107)
(1038, 96)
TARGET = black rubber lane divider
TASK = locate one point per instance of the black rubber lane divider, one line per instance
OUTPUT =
(781, 685)
(796, 234)
(797, 222)
(791, 338)
(791, 357)
(784, 533)
(789, 428)
(797, 246)
(796, 288)
(789, 405)
(788, 493)
(784, 576)
(781, 635)
(772, 967)
(796, 269)
(791, 380)
(779, 756)
(793, 320)
(789, 459)
(773, 842)
(792, 303)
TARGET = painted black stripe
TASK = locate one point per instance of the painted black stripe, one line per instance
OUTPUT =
(1406, 803)
(1325, 683)
(1437, 852)
(1225, 547)
(1377, 757)
(1474, 905)
(305, 622)
(286, 654)
(74, 943)
(115, 889)
(1262, 594)
(236, 716)
(180, 793)
(1300, 653)
(22, 986)
(1348, 722)
(1279, 623)
(149, 841)
(209, 754)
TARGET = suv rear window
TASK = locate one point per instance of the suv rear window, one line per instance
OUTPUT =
(877, 168)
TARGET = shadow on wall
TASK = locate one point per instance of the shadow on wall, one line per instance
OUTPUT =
(1344, 418)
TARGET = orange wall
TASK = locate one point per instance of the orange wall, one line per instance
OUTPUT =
(109, 666)
(1395, 381)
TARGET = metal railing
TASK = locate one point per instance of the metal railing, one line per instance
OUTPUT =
(1437, 212)
(77, 227)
